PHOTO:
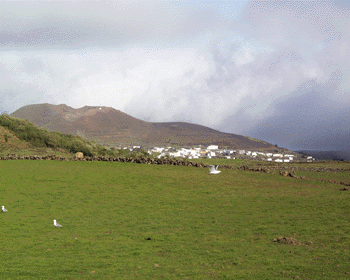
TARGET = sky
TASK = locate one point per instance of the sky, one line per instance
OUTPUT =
(273, 70)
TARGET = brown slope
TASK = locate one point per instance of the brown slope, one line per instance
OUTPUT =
(108, 126)
(9, 142)
(192, 134)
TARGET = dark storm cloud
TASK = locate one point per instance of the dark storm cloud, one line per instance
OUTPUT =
(307, 107)
(310, 119)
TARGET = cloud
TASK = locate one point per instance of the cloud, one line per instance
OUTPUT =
(274, 70)
(307, 61)
(57, 24)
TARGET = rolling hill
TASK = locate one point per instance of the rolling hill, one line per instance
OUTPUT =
(111, 127)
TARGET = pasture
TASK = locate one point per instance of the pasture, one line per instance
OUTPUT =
(135, 221)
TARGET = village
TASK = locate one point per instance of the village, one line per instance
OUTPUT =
(213, 151)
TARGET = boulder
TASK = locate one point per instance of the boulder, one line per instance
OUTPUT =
(79, 155)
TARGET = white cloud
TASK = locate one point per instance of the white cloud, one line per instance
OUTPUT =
(202, 62)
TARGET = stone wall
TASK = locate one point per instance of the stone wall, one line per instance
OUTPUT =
(142, 160)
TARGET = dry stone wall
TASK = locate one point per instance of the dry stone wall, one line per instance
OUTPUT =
(172, 161)
(142, 160)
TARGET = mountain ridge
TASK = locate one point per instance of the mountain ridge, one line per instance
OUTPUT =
(108, 126)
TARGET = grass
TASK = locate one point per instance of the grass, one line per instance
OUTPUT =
(134, 221)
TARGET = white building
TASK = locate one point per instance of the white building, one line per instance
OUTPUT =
(213, 147)
(210, 154)
(277, 155)
(157, 150)
(310, 159)
(176, 154)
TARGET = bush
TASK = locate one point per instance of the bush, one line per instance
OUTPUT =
(39, 137)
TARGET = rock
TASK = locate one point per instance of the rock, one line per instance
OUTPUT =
(79, 155)
(288, 240)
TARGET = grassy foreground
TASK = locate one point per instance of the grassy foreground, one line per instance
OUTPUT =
(133, 221)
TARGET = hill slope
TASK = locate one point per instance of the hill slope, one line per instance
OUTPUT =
(18, 135)
(108, 126)
(9, 142)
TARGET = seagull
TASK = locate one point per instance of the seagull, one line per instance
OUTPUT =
(56, 224)
(3, 209)
(213, 169)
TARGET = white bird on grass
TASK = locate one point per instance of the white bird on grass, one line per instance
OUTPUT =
(3, 209)
(213, 169)
(56, 224)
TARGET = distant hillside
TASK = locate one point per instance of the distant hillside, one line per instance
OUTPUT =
(114, 128)
(327, 155)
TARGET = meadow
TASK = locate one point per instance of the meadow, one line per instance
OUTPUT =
(135, 221)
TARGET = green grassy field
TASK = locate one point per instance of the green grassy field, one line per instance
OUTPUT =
(134, 221)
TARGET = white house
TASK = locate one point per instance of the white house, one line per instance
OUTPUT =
(157, 150)
(277, 155)
(213, 147)
(195, 152)
(176, 154)
(210, 154)
(310, 159)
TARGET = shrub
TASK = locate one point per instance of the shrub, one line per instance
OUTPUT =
(39, 137)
